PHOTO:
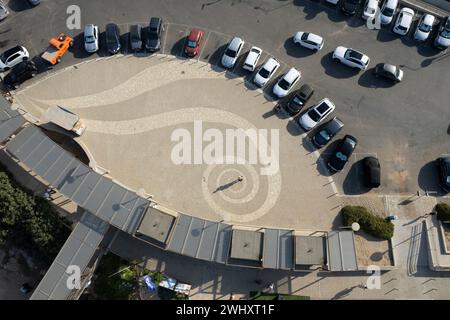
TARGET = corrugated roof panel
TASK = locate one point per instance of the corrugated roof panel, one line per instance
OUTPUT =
(223, 243)
(98, 195)
(45, 164)
(10, 126)
(135, 216)
(86, 188)
(68, 251)
(58, 168)
(112, 202)
(193, 238)
(348, 251)
(286, 250)
(73, 180)
(31, 144)
(44, 148)
(51, 278)
(271, 244)
(180, 233)
(22, 137)
(61, 291)
(334, 251)
(208, 241)
(126, 205)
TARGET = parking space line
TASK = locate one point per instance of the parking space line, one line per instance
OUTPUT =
(165, 38)
(204, 46)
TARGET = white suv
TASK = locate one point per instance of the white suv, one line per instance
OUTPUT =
(91, 38)
(316, 114)
(232, 52)
(12, 57)
(286, 82)
(266, 72)
(351, 57)
(309, 40)
(252, 59)
(404, 21)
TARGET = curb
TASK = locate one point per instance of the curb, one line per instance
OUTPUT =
(436, 11)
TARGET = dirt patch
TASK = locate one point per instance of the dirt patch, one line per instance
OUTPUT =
(372, 251)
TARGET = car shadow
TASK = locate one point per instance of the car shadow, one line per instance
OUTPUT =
(214, 58)
(293, 128)
(428, 179)
(19, 5)
(427, 50)
(353, 182)
(325, 155)
(336, 69)
(369, 80)
(307, 144)
(125, 43)
(386, 35)
(77, 49)
(41, 64)
(177, 48)
(296, 50)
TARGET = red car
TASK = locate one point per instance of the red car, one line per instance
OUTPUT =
(193, 42)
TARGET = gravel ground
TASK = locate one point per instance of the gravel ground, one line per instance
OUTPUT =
(372, 251)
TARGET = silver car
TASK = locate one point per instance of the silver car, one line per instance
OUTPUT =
(3, 11)
(91, 38)
(232, 52)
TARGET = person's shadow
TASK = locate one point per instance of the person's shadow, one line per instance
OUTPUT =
(227, 185)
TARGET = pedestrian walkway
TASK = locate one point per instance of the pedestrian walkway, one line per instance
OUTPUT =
(439, 8)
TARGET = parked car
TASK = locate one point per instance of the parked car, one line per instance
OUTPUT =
(299, 99)
(58, 47)
(424, 27)
(343, 152)
(316, 114)
(4, 12)
(327, 131)
(442, 40)
(12, 57)
(350, 7)
(370, 9)
(286, 82)
(155, 29)
(332, 1)
(136, 37)
(112, 33)
(232, 52)
(19, 74)
(91, 38)
(404, 21)
(372, 172)
(388, 11)
(309, 40)
(193, 41)
(351, 57)
(252, 59)
(444, 173)
(266, 72)
(388, 71)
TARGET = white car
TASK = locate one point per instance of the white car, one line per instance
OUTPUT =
(3, 11)
(12, 57)
(232, 52)
(252, 59)
(91, 38)
(286, 82)
(424, 27)
(370, 9)
(388, 11)
(442, 40)
(266, 72)
(351, 57)
(316, 114)
(404, 21)
(309, 40)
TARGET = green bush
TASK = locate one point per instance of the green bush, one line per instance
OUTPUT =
(443, 212)
(369, 222)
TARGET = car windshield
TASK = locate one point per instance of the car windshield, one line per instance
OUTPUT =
(314, 115)
(324, 134)
(192, 44)
(445, 34)
(402, 27)
(353, 54)
(284, 84)
(425, 28)
(89, 39)
(230, 53)
(264, 73)
(388, 12)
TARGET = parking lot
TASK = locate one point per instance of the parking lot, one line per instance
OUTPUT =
(406, 125)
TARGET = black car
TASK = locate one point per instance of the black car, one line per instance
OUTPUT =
(388, 71)
(112, 38)
(444, 173)
(155, 27)
(342, 153)
(327, 131)
(136, 37)
(300, 98)
(350, 7)
(20, 73)
(372, 172)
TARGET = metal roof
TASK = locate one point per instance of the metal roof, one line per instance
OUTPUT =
(310, 250)
(78, 250)
(278, 249)
(91, 191)
(156, 225)
(10, 120)
(341, 251)
(201, 239)
(247, 245)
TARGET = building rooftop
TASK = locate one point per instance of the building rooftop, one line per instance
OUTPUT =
(156, 225)
(246, 245)
(310, 250)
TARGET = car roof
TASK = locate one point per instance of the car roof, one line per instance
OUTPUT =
(234, 44)
(372, 3)
(271, 63)
(305, 89)
(371, 161)
(333, 125)
(314, 38)
(194, 34)
(389, 68)
(154, 22)
(89, 29)
(428, 19)
(407, 12)
(291, 74)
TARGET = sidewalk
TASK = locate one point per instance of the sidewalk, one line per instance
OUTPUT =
(438, 8)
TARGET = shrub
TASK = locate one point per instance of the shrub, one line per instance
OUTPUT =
(369, 222)
(443, 212)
